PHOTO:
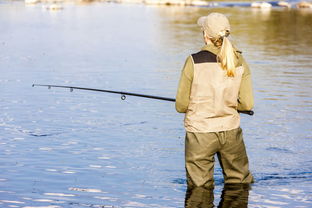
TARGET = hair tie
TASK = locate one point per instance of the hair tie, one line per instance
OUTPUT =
(224, 33)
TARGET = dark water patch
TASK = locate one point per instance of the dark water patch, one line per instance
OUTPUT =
(274, 99)
(274, 178)
(130, 124)
(282, 179)
(234, 4)
(217, 181)
(244, 4)
(35, 133)
(277, 149)
(179, 181)
(43, 135)
(275, 165)
(260, 138)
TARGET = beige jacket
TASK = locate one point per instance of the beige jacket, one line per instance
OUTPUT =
(208, 97)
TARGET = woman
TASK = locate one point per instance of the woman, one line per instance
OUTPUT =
(215, 83)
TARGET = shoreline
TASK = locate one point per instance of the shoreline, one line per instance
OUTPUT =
(195, 3)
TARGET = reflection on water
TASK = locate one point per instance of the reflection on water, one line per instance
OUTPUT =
(199, 197)
(233, 195)
(62, 149)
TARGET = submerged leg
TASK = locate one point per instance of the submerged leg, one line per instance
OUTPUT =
(233, 158)
(200, 149)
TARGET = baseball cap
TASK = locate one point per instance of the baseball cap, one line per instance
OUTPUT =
(215, 24)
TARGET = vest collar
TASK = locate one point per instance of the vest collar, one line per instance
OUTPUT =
(210, 47)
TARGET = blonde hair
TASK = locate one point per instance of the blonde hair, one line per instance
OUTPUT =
(227, 55)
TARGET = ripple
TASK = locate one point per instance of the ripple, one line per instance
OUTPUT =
(291, 191)
(282, 196)
(277, 149)
(8, 192)
(274, 202)
(37, 133)
(98, 148)
(140, 196)
(85, 190)
(43, 200)
(129, 124)
(105, 198)
(110, 166)
(69, 172)
(273, 98)
(49, 206)
(45, 148)
(18, 139)
(135, 204)
(58, 194)
(51, 170)
(285, 178)
(69, 143)
(12, 202)
(104, 158)
(95, 166)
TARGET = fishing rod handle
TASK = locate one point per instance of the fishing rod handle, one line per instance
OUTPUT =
(247, 112)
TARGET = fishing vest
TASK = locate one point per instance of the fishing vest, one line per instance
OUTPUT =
(213, 97)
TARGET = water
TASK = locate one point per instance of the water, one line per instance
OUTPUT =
(88, 149)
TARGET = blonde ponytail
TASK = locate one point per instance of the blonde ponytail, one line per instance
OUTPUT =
(227, 57)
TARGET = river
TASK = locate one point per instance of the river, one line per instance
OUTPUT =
(89, 149)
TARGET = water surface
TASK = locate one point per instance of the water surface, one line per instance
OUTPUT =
(88, 149)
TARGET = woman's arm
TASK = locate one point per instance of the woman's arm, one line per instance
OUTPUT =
(245, 96)
(184, 89)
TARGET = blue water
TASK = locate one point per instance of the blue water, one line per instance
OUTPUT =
(88, 149)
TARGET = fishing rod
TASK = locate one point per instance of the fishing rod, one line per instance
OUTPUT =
(123, 94)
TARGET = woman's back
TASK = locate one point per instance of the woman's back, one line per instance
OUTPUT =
(213, 97)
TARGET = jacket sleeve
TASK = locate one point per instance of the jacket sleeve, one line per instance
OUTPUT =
(245, 96)
(184, 88)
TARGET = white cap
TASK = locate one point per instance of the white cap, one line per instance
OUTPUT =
(215, 25)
